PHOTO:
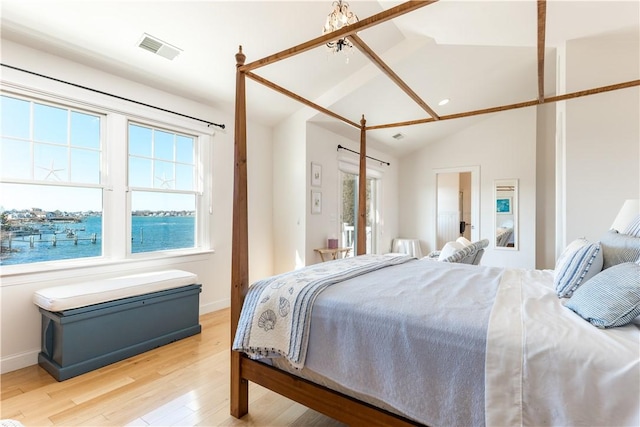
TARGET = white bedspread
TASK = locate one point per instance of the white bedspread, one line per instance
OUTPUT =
(548, 367)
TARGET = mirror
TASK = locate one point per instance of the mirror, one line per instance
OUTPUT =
(506, 213)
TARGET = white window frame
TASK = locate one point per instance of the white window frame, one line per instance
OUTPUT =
(115, 116)
(199, 187)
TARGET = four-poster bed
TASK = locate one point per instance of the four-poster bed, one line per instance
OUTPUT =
(348, 409)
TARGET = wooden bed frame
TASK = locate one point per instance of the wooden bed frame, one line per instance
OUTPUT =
(331, 403)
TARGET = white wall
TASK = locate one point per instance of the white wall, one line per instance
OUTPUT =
(289, 193)
(546, 187)
(20, 320)
(602, 143)
(504, 146)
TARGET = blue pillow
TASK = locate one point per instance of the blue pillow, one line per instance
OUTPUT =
(579, 262)
(611, 298)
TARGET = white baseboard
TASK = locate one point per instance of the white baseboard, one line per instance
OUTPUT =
(18, 361)
(215, 306)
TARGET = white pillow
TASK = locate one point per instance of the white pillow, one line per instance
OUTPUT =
(449, 249)
(463, 241)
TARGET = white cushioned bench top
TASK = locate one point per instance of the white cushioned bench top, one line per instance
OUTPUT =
(66, 297)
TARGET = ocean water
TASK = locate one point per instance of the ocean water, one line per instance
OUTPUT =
(147, 234)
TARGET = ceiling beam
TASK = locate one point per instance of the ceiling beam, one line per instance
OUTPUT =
(601, 89)
(368, 52)
(391, 13)
(542, 22)
(548, 100)
(371, 21)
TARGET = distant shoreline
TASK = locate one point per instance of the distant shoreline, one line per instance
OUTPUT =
(84, 239)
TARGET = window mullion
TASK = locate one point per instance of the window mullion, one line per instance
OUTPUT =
(68, 144)
(115, 211)
(32, 147)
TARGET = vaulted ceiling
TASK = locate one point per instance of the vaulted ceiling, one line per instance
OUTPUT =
(479, 54)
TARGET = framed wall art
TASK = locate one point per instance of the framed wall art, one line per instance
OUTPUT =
(503, 205)
(316, 202)
(316, 175)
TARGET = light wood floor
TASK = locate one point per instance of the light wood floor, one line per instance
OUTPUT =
(185, 383)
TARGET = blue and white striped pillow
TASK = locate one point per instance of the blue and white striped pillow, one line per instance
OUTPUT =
(611, 298)
(579, 262)
(467, 253)
(618, 248)
(633, 229)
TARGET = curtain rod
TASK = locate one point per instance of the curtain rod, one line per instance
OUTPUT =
(340, 147)
(222, 126)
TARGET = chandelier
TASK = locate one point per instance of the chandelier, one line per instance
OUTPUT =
(339, 17)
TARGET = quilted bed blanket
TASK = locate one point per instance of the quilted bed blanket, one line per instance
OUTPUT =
(276, 312)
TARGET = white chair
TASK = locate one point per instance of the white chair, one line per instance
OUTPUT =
(407, 246)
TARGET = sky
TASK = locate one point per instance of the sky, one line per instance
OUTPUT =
(47, 143)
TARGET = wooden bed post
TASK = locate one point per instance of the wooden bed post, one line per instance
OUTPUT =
(240, 240)
(361, 246)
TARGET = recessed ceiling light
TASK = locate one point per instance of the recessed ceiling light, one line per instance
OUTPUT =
(444, 101)
(157, 46)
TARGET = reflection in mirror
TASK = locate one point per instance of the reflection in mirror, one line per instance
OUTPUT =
(506, 213)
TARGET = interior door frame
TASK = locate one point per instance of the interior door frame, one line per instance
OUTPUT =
(475, 200)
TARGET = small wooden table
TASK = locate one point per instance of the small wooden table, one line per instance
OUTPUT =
(335, 253)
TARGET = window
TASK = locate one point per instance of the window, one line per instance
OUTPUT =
(65, 197)
(162, 180)
(51, 200)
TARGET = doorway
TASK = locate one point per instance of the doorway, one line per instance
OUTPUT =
(457, 204)
(349, 212)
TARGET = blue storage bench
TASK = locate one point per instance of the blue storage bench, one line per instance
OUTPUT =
(90, 325)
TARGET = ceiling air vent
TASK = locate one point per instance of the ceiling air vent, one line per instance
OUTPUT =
(158, 47)
(398, 136)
